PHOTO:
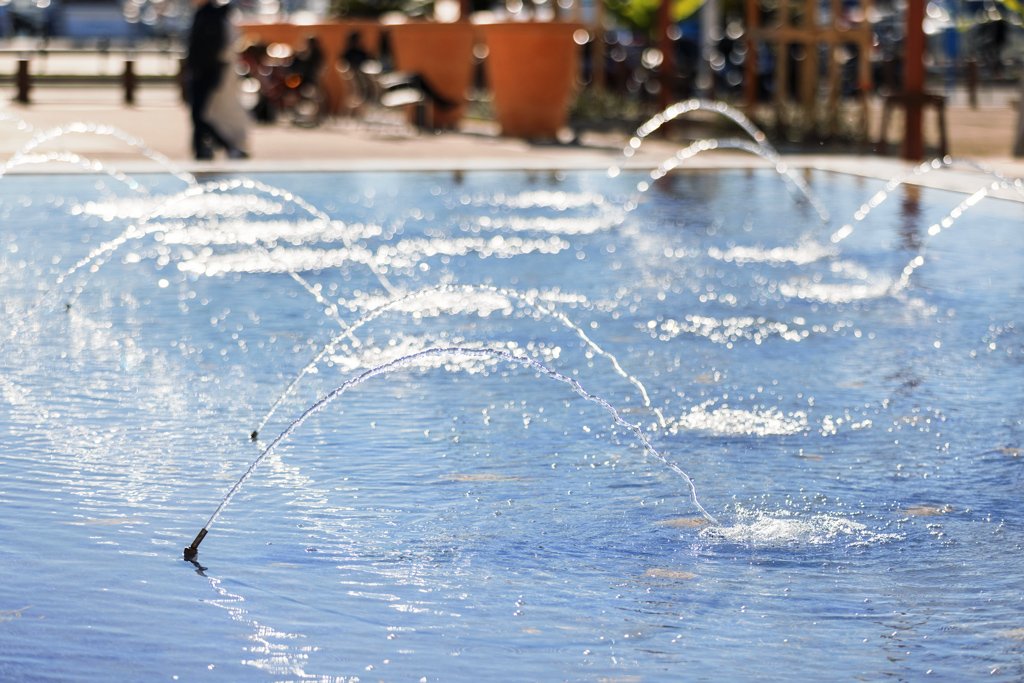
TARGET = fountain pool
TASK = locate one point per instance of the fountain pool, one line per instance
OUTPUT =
(465, 516)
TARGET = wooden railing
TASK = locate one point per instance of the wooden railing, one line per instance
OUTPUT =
(64, 66)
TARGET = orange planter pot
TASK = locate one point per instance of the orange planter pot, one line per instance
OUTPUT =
(532, 69)
(443, 55)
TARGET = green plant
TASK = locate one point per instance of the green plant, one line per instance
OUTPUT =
(593, 106)
(642, 14)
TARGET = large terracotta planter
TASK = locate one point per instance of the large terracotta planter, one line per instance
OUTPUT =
(532, 69)
(443, 55)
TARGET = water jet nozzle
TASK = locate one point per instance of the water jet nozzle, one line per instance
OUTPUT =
(193, 550)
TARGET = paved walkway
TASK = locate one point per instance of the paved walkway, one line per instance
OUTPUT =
(161, 121)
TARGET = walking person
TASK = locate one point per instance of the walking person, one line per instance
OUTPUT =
(214, 84)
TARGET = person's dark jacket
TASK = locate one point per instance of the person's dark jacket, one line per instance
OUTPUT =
(206, 41)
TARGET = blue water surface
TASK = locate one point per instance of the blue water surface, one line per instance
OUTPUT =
(457, 518)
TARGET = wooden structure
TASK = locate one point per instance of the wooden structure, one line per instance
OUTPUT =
(34, 67)
(912, 148)
(800, 25)
(913, 86)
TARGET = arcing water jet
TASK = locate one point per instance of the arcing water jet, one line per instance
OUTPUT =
(191, 551)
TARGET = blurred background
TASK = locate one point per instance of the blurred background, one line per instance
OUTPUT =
(810, 71)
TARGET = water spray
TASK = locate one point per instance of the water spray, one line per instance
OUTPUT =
(507, 293)
(191, 551)
(1000, 182)
(144, 227)
(759, 146)
(41, 137)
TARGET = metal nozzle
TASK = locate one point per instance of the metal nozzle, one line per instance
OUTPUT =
(193, 550)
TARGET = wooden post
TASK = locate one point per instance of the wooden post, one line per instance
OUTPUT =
(782, 71)
(597, 78)
(913, 81)
(751, 69)
(23, 82)
(809, 70)
(710, 35)
(667, 70)
(972, 82)
(129, 81)
(183, 80)
(833, 77)
(865, 82)
(1018, 142)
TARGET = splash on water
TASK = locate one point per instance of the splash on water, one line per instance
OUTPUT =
(782, 528)
(729, 330)
(726, 421)
(836, 293)
(405, 346)
(401, 256)
(206, 204)
(856, 283)
(798, 254)
(547, 199)
(560, 225)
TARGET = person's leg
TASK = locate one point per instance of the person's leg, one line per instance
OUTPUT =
(201, 134)
(204, 134)
(440, 100)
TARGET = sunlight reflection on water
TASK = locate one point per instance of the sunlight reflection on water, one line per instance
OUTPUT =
(463, 519)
